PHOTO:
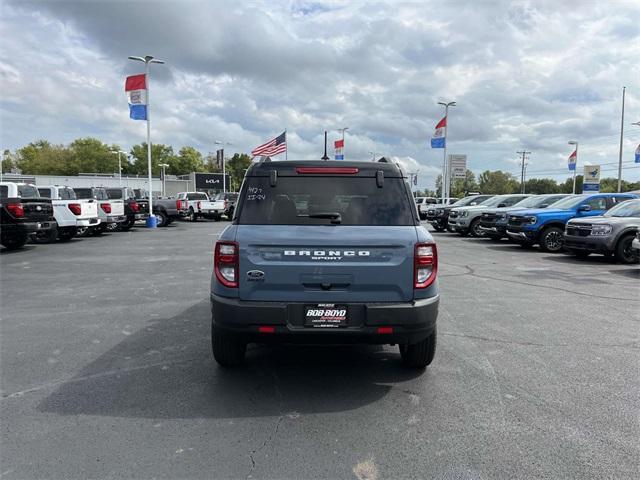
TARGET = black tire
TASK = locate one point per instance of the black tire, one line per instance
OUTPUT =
(82, 231)
(474, 229)
(15, 241)
(67, 233)
(450, 230)
(423, 217)
(193, 217)
(48, 236)
(162, 219)
(217, 218)
(113, 227)
(578, 253)
(462, 233)
(624, 252)
(230, 214)
(419, 355)
(228, 350)
(99, 230)
(551, 240)
(439, 229)
(127, 224)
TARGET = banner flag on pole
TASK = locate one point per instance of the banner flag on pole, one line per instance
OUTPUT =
(136, 89)
(339, 146)
(638, 154)
(439, 136)
(573, 159)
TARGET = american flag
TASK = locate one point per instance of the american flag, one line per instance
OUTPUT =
(272, 147)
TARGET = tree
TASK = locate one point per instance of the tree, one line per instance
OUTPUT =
(189, 160)
(90, 155)
(498, 182)
(461, 186)
(567, 186)
(159, 154)
(236, 168)
(541, 185)
(43, 158)
(7, 161)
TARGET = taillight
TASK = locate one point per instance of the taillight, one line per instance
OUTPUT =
(106, 207)
(425, 264)
(225, 263)
(16, 209)
(178, 204)
(75, 208)
(134, 206)
(199, 205)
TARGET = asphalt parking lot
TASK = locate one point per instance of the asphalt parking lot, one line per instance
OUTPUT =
(107, 372)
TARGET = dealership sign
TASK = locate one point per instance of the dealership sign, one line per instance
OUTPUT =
(591, 180)
(458, 166)
(211, 181)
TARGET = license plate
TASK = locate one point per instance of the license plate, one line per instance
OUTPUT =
(325, 315)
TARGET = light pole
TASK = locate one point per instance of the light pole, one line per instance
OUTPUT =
(164, 176)
(147, 59)
(445, 175)
(620, 151)
(342, 130)
(119, 152)
(224, 166)
(575, 167)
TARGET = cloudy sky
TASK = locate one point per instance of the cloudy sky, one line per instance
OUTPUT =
(525, 75)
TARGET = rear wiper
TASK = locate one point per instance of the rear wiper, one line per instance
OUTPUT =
(334, 216)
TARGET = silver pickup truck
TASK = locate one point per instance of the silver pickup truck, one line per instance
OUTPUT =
(466, 220)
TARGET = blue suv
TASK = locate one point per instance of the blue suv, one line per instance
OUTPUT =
(545, 226)
(325, 252)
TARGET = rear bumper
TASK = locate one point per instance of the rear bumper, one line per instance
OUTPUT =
(88, 222)
(28, 227)
(115, 218)
(411, 321)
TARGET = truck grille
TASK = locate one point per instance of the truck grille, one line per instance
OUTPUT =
(579, 230)
(516, 221)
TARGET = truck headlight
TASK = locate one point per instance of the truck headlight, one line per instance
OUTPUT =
(464, 213)
(532, 220)
(601, 230)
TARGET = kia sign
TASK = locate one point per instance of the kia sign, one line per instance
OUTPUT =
(210, 181)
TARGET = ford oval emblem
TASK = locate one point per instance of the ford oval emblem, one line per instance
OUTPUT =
(38, 208)
(254, 275)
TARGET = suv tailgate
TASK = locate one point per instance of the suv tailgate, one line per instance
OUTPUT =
(316, 262)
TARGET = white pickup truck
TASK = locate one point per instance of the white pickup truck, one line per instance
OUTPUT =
(70, 212)
(110, 210)
(194, 205)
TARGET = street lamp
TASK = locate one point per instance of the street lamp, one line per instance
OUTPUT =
(147, 59)
(575, 167)
(224, 168)
(164, 176)
(446, 187)
(119, 152)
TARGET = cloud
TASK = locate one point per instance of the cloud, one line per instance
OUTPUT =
(524, 74)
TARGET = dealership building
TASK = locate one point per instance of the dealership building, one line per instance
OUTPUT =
(210, 183)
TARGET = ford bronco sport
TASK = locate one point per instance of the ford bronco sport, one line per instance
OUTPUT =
(325, 252)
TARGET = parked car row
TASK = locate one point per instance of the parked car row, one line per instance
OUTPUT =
(603, 223)
(55, 212)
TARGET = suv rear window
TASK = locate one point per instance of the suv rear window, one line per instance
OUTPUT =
(83, 193)
(44, 192)
(114, 193)
(28, 191)
(358, 200)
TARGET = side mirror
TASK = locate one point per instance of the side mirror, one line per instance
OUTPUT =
(584, 208)
(500, 205)
(473, 203)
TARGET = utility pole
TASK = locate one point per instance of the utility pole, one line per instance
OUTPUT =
(324, 157)
(620, 151)
(524, 154)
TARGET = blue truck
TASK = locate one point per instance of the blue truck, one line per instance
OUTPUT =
(325, 252)
(545, 226)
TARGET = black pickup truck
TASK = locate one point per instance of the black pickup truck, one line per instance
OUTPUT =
(165, 209)
(22, 213)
